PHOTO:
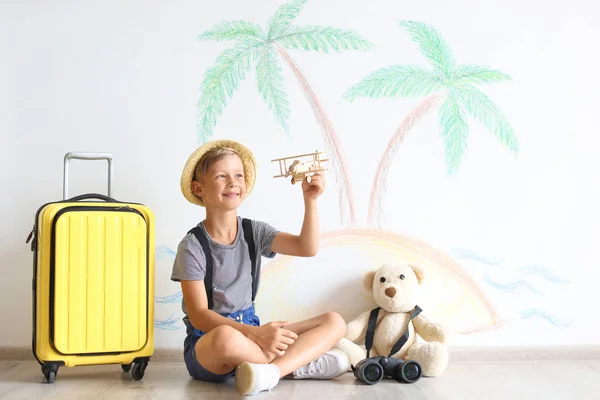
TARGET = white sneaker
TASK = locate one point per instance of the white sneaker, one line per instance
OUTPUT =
(330, 365)
(253, 378)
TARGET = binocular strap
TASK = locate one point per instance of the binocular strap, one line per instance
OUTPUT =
(371, 331)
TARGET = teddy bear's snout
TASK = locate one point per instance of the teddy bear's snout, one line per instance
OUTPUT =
(390, 292)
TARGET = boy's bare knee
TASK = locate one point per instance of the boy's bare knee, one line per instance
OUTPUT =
(227, 341)
(336, 323)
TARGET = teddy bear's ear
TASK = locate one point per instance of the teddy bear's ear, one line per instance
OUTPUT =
(368, 281)
(418, 272)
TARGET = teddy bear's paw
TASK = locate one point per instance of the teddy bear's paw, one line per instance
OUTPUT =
(432, 356)
(439, 334)
(354, 352)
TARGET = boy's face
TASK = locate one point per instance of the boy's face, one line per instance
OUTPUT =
(224, 185)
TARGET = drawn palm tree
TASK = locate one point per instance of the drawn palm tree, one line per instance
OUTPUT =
(452, 85)
(253, 46)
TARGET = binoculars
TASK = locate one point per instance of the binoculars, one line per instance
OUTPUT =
(372, 370)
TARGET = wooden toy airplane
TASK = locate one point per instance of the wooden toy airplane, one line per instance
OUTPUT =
(304, 165)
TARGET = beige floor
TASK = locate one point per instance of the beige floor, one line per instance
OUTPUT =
(539, 380)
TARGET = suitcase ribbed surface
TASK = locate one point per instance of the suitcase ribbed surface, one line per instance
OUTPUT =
(100, 278)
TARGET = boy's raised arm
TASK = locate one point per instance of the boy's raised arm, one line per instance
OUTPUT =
(306, 244)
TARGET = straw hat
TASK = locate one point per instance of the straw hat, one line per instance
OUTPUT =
(187, 176)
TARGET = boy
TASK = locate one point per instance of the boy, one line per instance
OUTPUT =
(227, 339)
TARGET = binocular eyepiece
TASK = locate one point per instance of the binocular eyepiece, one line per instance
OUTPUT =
(372, 370)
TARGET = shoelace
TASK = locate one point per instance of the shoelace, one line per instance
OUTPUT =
(312, 368)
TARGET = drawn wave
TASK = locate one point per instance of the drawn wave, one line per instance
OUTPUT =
(470, 255)
(511, 286)
(172, 298)
(530, 269)
(535, 313)
(167, 324)
(544, 272)
(164, 251)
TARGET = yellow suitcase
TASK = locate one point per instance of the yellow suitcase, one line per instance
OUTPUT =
(93, 281)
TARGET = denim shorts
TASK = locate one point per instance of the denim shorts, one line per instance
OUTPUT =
(194, 368)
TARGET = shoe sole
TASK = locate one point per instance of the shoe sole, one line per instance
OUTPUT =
(244, 376)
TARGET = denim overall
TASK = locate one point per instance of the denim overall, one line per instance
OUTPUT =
(246, 316)
(194, 368)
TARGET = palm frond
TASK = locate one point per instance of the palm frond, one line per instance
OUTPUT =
(322, 38)
(233, 30)
(483, 109)
(283, 17)
(220, 81)
(454, 130)
(270, 85)
(404, 80)
(465, 74)
(432, 45)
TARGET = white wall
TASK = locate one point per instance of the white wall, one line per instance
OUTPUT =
(124, 77)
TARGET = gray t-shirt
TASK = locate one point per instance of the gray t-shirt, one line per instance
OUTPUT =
(232, 268)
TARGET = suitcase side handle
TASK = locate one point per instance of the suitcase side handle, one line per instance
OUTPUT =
(86, 156)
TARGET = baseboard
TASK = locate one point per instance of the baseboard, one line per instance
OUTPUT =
(458, 355)
(470, 354)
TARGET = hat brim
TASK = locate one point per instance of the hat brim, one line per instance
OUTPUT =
(187, 176)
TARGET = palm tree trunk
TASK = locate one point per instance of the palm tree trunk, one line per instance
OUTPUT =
(331, 140)
(375, 204)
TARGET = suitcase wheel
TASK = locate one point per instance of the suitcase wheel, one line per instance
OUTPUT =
(126, 367)
(138, 369)
(50, 372)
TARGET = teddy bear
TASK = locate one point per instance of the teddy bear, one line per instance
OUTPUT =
(395, 289)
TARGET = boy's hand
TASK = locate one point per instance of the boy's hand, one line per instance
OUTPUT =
(273, 338)
(313, 186)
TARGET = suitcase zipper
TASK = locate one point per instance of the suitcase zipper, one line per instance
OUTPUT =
(32, 234)
(52, 259)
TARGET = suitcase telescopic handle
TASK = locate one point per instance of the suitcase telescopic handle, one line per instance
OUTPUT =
(86, 156)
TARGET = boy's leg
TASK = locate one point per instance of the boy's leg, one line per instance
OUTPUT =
(315, 337)
(222, 349)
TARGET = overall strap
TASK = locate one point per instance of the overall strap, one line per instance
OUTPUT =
(371, 331)
(201, 236)
(247, 228)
